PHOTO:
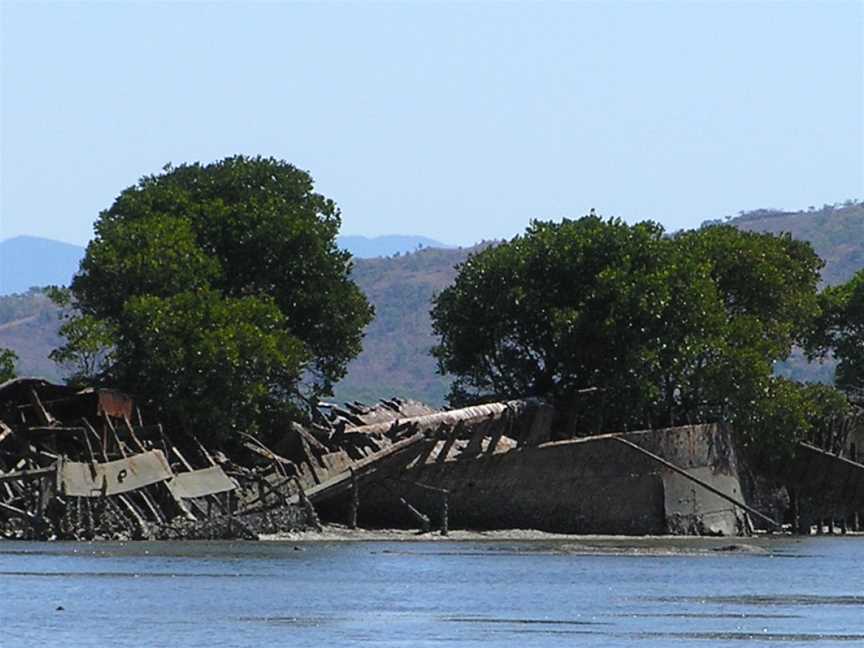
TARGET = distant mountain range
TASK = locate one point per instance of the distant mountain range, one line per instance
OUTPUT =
(363, 247)
(395, 358)
(836, 233)
(27, 261)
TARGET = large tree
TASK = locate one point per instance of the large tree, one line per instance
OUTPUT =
(667, 330)
(226, 294)
(568, 306)
(840, 330)
(87, 352)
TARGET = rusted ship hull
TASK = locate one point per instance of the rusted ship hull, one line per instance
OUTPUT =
(592, 485)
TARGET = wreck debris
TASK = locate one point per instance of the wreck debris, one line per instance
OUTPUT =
(829, 488)
(81, 464)
(200, 483)
(355, 501)
(94, 479)
(307, 505)
(445, 505)
(224, 527)
(73, 465)
(101, 475)
(583, 485)
(711, 489)
(425, 523)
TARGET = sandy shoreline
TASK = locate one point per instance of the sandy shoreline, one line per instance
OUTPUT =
(543, 541)
(338, 532)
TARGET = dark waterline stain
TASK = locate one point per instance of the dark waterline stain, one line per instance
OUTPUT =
(763, 599)
(300, 622)
(555, 632)
(485, 620)
(749, 636)
(705, 615)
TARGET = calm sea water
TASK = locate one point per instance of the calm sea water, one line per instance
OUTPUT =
(802, 592)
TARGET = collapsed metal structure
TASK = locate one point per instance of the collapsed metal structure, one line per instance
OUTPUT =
(498, 466)
(82, 464)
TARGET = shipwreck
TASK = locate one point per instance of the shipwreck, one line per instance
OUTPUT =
(82, 464)
(496, 466)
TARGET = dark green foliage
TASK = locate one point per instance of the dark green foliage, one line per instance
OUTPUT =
(840, 330)
(784, 412)
(89, 342)
(557, 310)
(395, 358)
(823, 404)
(836, 233)
(8, 359)
(223, 287)
(668, 330)
(230, 362)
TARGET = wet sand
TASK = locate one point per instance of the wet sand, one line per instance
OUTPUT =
(541, 541)
(338, 532)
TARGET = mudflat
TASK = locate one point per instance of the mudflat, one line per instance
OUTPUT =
(540, 541)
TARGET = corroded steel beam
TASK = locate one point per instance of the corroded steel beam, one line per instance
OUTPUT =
(468, 416)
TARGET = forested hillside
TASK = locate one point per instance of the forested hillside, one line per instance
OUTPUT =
(28, 325)
(395, 358)
(27, 261)
(835, 231)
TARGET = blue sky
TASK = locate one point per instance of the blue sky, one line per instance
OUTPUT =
(456, 121)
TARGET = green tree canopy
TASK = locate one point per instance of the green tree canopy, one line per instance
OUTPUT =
(224, 289)
(669, 330)
(87, 352)
(840, 330)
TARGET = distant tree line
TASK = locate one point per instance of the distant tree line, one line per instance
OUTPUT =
(760, 214)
